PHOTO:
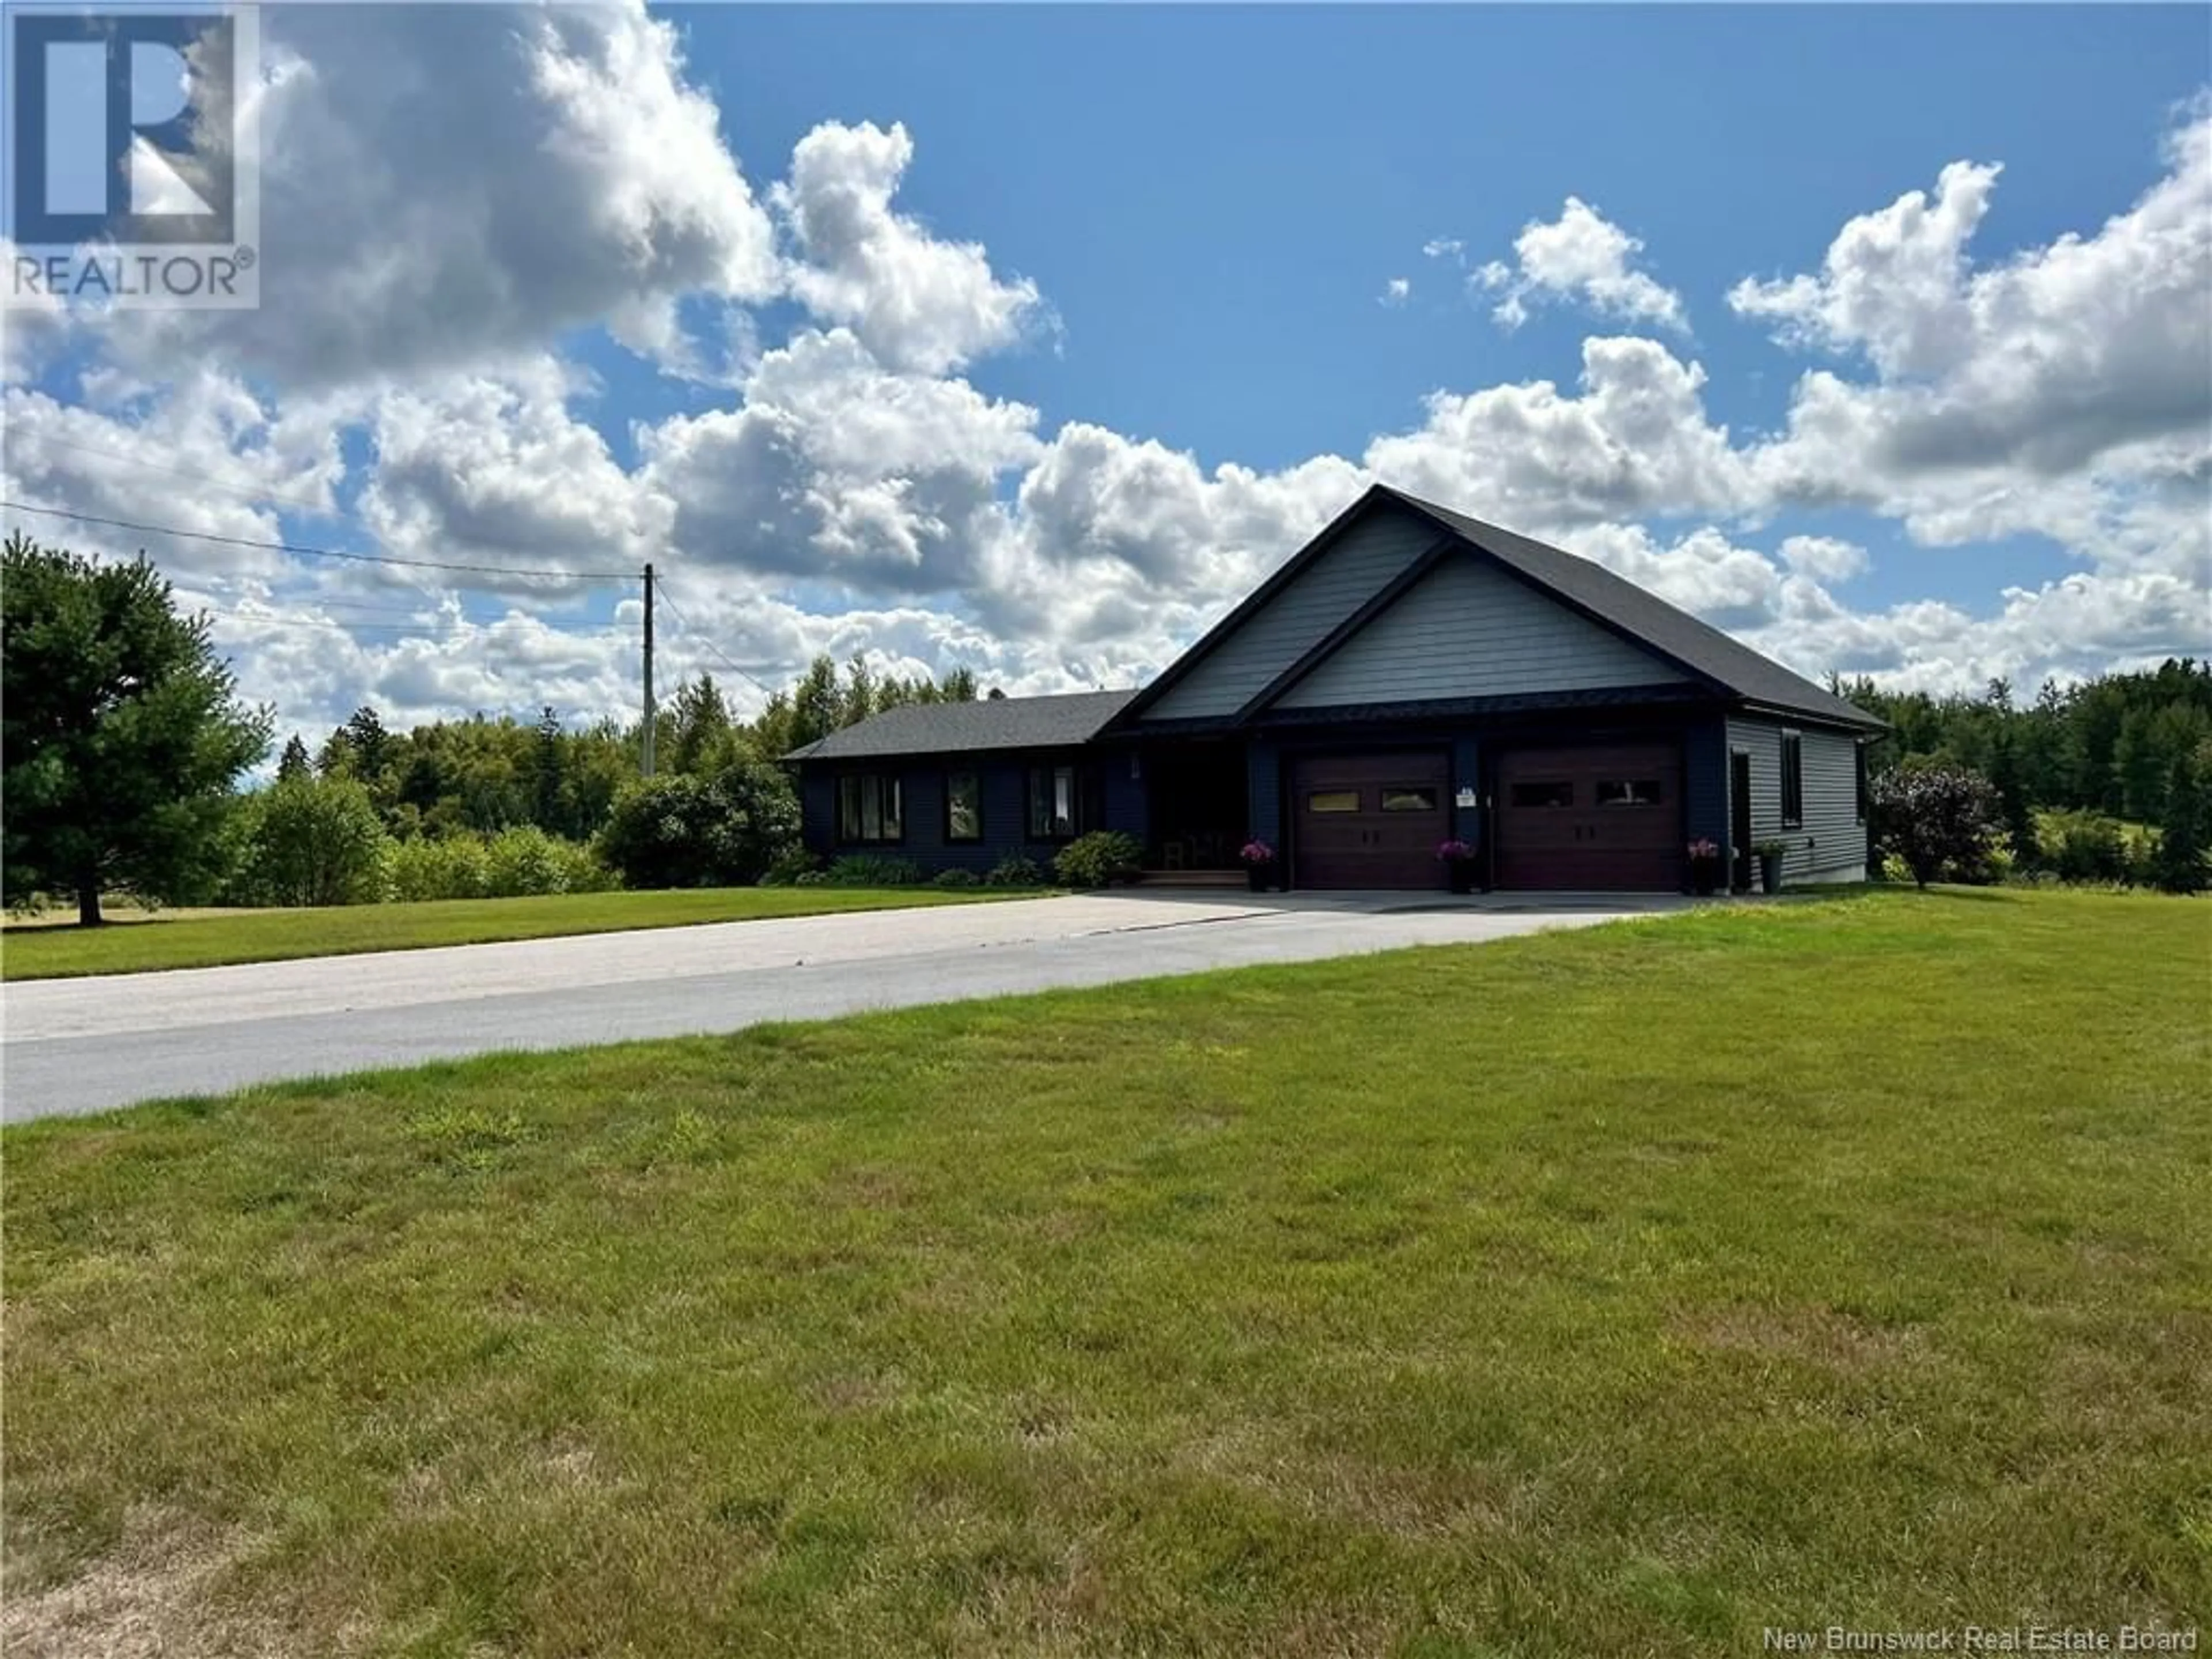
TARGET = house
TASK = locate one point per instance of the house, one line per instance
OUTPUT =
(1412, 675)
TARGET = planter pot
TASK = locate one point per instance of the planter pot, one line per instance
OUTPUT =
(1261, 875)
(1770, 871)
(1460, 874)
(1704, 877)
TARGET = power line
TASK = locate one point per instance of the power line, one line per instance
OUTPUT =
(723, 657)
(301, 551)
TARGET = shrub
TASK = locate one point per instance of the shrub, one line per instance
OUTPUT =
(581, 871)
(677, 830)
(790, 868)
(1015, 870)
(521, 863)
(1939, 820)
(439, 867)
(870, 870)
(2081, 847)
(1099, 859)
(314, 841)
(956, 878)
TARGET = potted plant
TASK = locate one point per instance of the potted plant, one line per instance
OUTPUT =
(1258, 864)
(1458, 861)
(1770, 863)
(1705, 866)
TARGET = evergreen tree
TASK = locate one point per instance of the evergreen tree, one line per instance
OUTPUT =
(2178, 867)
(293, 763)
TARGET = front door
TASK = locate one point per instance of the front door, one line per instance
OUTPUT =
(1371, 821)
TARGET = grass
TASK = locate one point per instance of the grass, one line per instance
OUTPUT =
(1624, 1291)
(206, 938)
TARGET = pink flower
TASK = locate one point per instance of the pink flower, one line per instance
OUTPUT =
(1256, 852)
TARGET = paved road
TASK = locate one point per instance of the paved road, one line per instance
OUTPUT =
(85, 1045)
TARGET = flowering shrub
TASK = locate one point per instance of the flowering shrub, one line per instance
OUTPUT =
(1256, 852)
(1703, 850)
(1452, 852)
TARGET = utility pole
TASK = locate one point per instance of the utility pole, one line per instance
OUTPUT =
(645, 751)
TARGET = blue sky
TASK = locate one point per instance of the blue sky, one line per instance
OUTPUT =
(1179, 227)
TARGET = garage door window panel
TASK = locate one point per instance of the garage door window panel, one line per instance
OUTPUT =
(1559, 794)
(1409, 799)
(1332, 800)
(1630, 792)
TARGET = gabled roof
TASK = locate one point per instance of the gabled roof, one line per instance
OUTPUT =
(1647, 619)
(937, 728)
(1733, 669)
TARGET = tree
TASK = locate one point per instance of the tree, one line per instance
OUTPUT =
(315, 841)
(294, 763)
(122, 734)
(2018, 822)
(1938, 819)
(2178, 867)
(818, 706)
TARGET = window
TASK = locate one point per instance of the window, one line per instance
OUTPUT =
(1641, 791)
(1859, 783)
(1561, 793)
(1333, 800)
(868, 809)
(1793, 781)
(1052, 803)
(1409, 800)
(964, 806)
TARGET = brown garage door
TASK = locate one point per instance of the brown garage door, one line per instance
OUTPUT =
(1603, 817)
(1370, 820)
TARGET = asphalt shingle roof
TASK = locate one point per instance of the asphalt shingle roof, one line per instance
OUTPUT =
(1647, 617)
(938, 728)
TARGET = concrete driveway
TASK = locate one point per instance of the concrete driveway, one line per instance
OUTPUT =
(85, 1045)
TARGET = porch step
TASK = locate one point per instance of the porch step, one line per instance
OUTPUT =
(1194, 878)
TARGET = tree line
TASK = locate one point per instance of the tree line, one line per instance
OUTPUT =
(2107, 779)
(125, 745)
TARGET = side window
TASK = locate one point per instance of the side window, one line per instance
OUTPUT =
(1793, 781)
(1859, 759)
(1052, 803)
(964, 806)
(869, 809)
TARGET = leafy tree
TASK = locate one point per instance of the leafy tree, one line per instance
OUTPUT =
(2178, 867)
(294, 763)
(1938, 819)
(678, 830)
(122, 734)
(315, 841)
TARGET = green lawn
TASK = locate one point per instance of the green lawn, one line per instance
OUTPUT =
(202, 940)
(1614, 1293)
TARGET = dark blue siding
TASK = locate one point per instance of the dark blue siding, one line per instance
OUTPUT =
(1467, 774)
(1705, 781)
(817, 809)
(1004, 788)
(1127, 806)
(1263, 784)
